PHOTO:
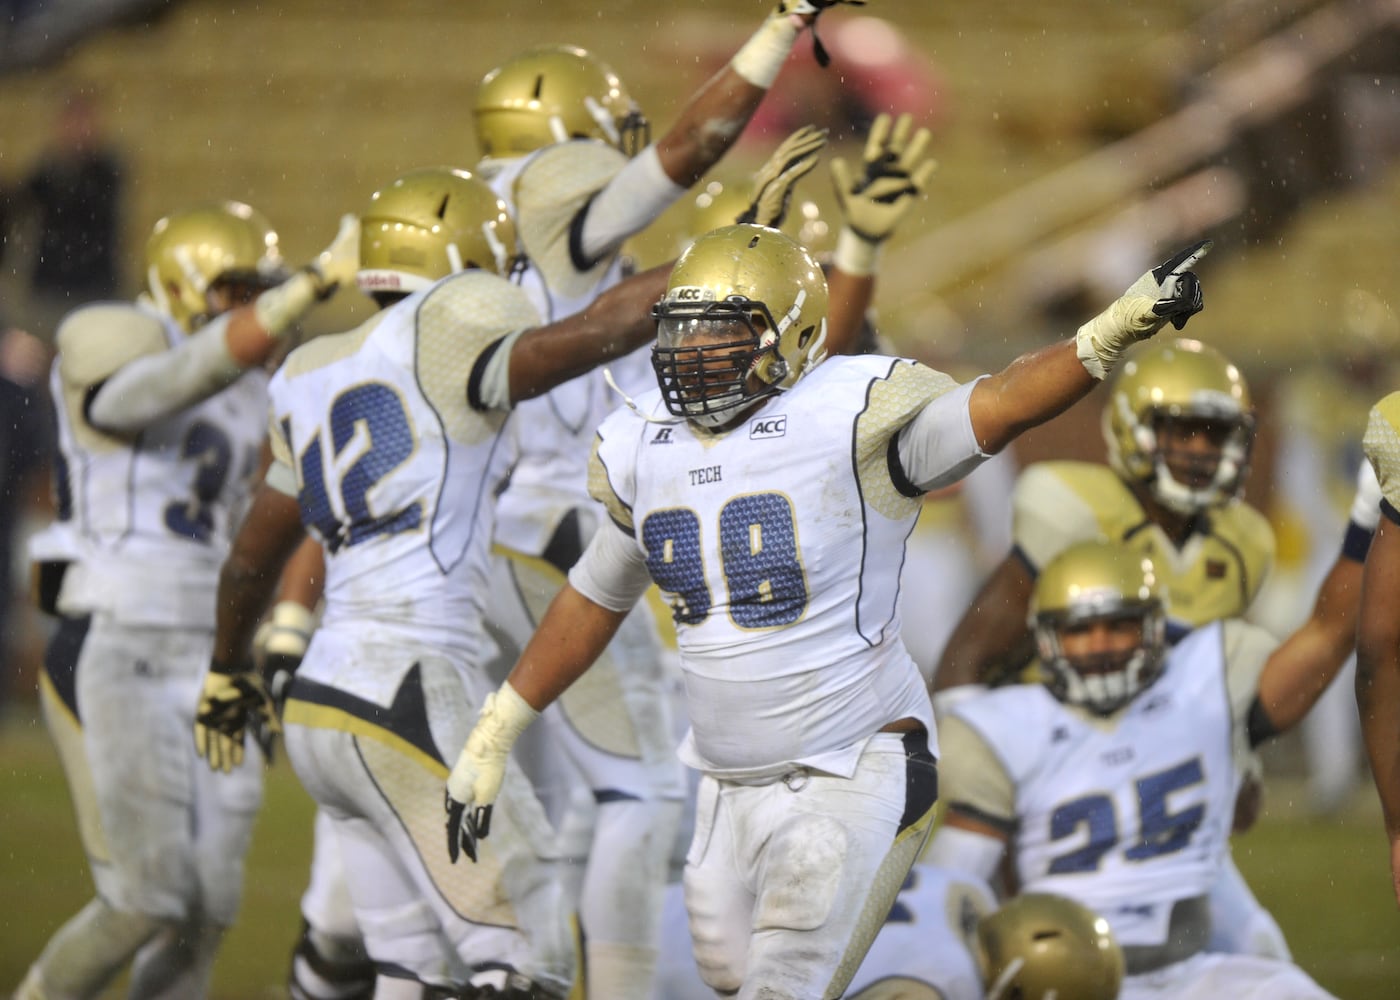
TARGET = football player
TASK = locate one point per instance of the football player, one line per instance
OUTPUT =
(1378, 635)
(567, 148)
(160, 407)
(389, 447)
(1179, 424)
(1119, 773)
(755, 485)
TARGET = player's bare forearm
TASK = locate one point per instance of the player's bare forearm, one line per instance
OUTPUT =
(1378, 670)
(710, 124)
(573, 633)
(991, 638)
(304, 576)
(616, 323)
(1036, 386)
(1300, 670)
(270, 533)
(850, 297)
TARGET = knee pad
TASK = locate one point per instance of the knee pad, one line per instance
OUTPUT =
(801, 874)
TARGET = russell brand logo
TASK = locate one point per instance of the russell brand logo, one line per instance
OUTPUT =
(768, 427)
(663, 436)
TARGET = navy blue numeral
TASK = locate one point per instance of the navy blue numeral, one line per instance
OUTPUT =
(1095, 814)
(377, 408)
(671, 539)
(210, 448)
(758, 549)
(758, 559)
(1162, 831)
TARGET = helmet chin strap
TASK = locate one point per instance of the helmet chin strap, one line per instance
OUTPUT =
(632, 405)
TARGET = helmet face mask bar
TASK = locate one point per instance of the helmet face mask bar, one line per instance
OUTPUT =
(743, 317)
(714, 359)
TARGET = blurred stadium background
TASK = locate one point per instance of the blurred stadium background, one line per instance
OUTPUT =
(1078, 141)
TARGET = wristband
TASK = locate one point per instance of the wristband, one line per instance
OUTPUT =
(762, 56)
(854, 254)
(278, 308)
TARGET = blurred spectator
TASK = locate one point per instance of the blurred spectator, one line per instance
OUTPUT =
(68, 209)
(24, 435)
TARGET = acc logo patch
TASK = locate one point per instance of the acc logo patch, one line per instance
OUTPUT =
(768, 427)
(690, 293)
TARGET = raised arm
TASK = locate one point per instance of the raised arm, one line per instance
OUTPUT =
(159, 384)
(991, 641)
(1301, 669)
(1043, 383)
(1378, 676)
(895, 173)
(715, 116)
(616, 323)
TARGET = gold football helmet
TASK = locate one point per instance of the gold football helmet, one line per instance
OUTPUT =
(1090, 582)
(1178, 379)
(1039, 946)
(428, 224)
(743, 317)
(195, 251)
(552, 94)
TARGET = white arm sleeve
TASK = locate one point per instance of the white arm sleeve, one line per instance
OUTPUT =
(956, 850)
(1366, 508)
(632, 200)
(493, 390)
(612, 572)
(939, 447)
(157, 385)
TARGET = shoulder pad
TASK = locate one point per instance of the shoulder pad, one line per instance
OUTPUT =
(550, 191)
(1382, 445)
(97, 340)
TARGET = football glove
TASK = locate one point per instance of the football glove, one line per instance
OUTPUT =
(278, 309)
(896, 171)
(337, 264)
(230, 700)
(1169, 293)
(809, 9)
(773, 183)
(476, 778)
(278, 648)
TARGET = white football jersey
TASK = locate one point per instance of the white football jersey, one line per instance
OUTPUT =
(154, 513)
(778, 545)
(395, 471)
(1128, 814)
(545, 191)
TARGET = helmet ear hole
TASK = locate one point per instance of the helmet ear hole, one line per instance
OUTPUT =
(805, 337)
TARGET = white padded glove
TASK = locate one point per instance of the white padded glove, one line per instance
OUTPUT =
(773, 183)
(1170, 292)
(476, 778)
(279, 308)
